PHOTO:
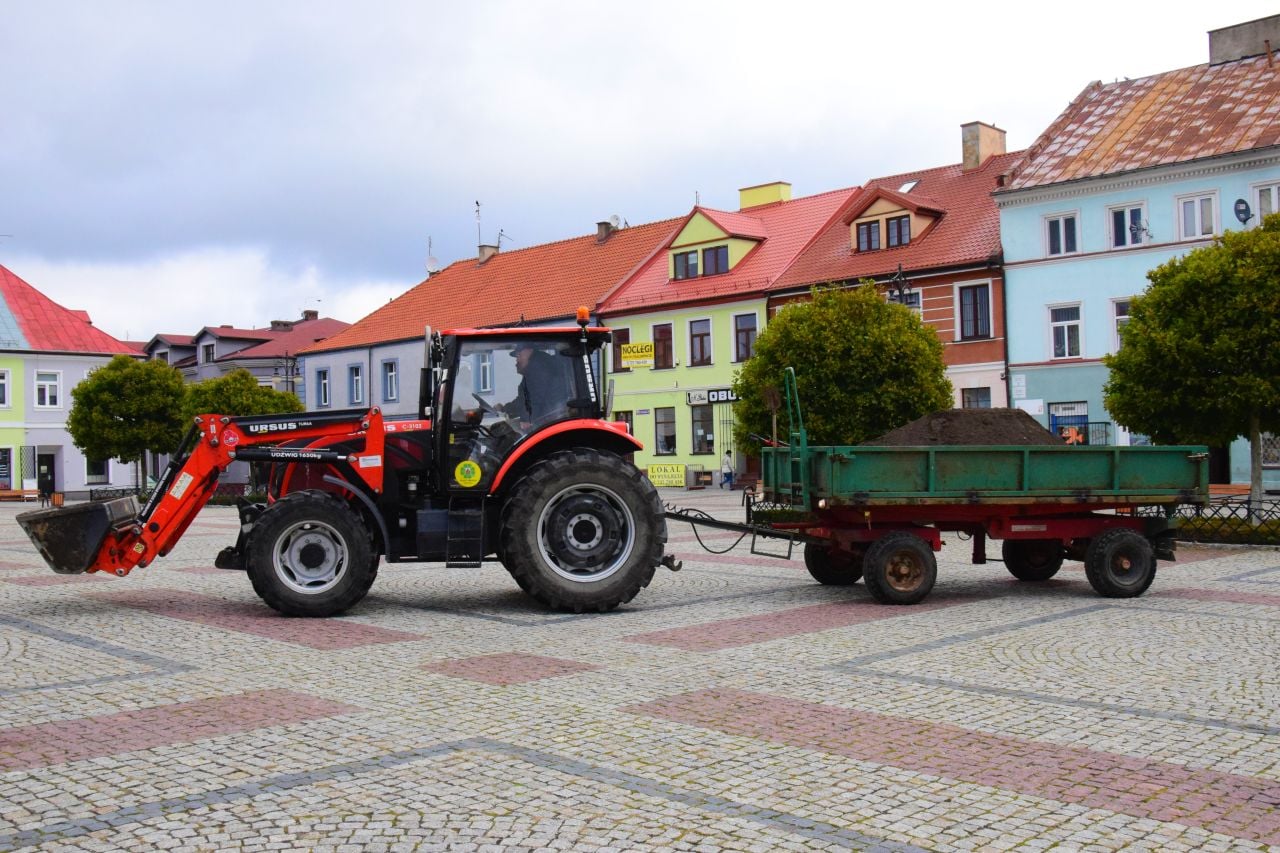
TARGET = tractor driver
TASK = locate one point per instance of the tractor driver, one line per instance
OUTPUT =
(540, 396)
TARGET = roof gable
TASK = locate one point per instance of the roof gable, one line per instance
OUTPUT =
(29, 320)
(966, 229)
(1169, 118)
(782, 230)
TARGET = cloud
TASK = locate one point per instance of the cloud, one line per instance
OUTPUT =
(183, 292)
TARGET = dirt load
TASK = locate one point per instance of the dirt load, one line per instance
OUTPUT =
(968, 426)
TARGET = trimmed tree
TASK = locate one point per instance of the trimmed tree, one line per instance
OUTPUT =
(125, 409)
(1200, 362)
(237, 393)
(863, 366)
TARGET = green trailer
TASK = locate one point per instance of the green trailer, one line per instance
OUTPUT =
(879, 512)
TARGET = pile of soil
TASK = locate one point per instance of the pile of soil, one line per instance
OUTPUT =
(968, 426)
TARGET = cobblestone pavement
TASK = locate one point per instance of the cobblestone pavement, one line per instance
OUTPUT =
(735, 705)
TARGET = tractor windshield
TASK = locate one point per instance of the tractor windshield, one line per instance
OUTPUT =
(504, 389)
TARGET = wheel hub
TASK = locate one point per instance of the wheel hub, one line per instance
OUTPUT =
(586, 533)
(904, 573)
(310, 557)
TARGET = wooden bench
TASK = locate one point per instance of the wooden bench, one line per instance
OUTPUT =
(19, 494)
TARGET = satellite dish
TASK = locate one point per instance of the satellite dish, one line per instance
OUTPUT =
(615, 221)
(433, 265)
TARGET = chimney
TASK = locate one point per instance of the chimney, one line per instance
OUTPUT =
(487, 251)
(1252, 38)
(282, 325)
(978, 141)
(310, 314)
(604, 230)
(764, 194)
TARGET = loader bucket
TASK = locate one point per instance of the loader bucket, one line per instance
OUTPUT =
(69, 538)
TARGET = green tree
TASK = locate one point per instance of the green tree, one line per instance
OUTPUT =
(126, 408)
(1200, 361)
(863, 366)
(237, 393)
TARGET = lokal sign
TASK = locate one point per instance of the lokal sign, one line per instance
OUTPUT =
(667, 475)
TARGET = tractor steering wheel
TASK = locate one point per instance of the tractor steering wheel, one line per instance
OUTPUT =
(486, 406)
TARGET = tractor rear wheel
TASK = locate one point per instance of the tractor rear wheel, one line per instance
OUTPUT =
(832, 566)
(309, 554)
(1120, 563)
(1032, 559)
(899, 568)
(583, 530)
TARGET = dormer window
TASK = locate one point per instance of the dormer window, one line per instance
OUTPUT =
(686, 265)
(899, 230)
(868, 236)
(715, 260)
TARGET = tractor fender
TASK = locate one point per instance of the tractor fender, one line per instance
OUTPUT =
(604, 435)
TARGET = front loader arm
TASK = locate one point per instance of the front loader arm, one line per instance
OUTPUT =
(209, 447)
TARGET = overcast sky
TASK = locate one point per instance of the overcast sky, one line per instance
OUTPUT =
(171, 165)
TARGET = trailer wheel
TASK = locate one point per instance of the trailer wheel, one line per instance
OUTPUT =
(583, 530)
(832, 566)
(1120, 563)
(899, 568)
(1032, 559)
(309, 555)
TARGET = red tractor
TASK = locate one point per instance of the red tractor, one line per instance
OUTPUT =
(512, 457)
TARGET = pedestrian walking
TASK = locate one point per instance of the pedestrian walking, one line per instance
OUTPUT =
(726, 471)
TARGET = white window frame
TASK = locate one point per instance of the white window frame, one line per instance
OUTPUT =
(1212, 196)
(98, 479)
(1270, 189)
(485, 382)
(390, 377)
(711, 340)
(355, 383)
(1141, 207)
(56, 385)
(6, 390)
(1055, 217)
(1115, 320)
(322, 388)
(1078, 322)
(991, 309)
(653, 336)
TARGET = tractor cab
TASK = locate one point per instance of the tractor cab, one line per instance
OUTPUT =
(496, 389)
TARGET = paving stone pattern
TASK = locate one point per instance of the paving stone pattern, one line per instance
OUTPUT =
(735, 705)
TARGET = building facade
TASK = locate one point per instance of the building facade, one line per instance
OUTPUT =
(45, 351)
(1132, 174)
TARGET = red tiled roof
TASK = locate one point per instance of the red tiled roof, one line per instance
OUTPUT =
(735, 224)
(1173, 117)
(968, 231)
(174, 340)
(874, 192)
(789, 226)
(537, 283)
(236, 334)
(304, 334)
(46, 326)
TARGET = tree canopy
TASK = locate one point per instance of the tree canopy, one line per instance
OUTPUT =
(863, 366)
(126, 408)
(1200, 358)
(237, 393)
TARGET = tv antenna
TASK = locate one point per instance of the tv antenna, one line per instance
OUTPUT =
(479, 239)
(502, 234)
(433, 264)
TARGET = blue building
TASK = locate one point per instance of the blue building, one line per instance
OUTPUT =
(1132, 173)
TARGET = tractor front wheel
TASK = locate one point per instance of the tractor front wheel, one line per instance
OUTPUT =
(583, 530)
(309, 554)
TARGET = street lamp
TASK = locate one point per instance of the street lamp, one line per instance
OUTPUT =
(898, 288)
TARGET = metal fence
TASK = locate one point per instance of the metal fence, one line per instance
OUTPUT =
(1229, 521)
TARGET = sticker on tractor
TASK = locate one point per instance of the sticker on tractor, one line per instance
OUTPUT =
(180, 487)
(230, 439)
(467, 473)
(370, 461)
